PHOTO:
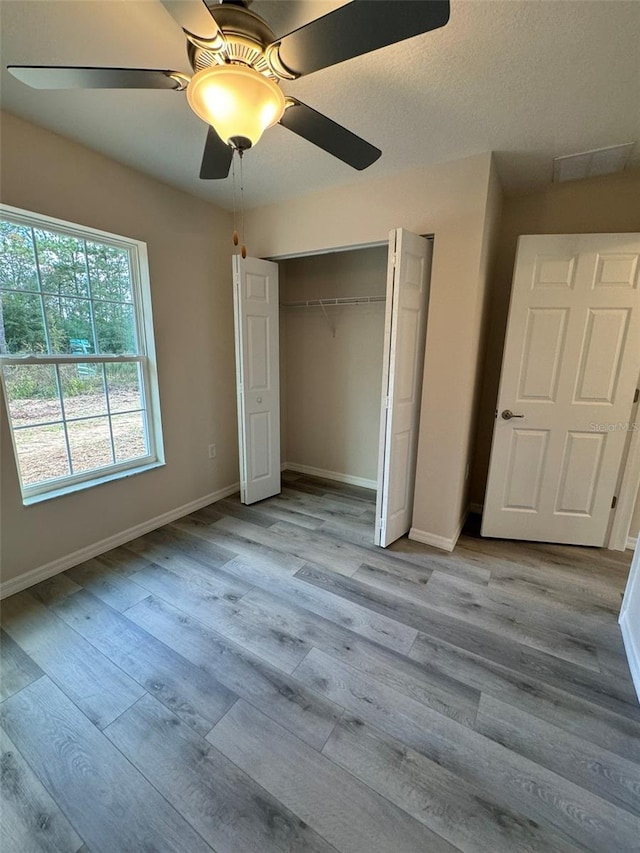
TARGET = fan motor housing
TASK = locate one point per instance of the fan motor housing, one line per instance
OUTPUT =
(246, 36)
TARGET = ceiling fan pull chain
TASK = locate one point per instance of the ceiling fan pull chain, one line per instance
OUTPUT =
(243, 248)
(233, 179)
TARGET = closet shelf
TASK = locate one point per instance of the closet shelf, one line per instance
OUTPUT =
(339, 300)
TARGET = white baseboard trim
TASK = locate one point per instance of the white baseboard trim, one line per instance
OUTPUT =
(632, 541)
(34, 576)
(437, 541)
(633, 652)
(431, 539)
(332, 475)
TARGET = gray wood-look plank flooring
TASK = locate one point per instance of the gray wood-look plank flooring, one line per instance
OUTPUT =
(97, 686)
(17, 669)
(264, 680)
(31, 820)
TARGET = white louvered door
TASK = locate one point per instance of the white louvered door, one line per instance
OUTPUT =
(570, 369)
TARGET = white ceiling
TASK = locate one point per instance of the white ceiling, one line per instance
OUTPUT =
(528, 80)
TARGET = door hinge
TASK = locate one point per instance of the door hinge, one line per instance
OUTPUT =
(387, 402)
(394, 260)
(614, 502)
(636, 395)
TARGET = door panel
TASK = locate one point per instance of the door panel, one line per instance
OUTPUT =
(554, 271)
(258, 377)
(258, 366)
(259, 444)
(544, 341)
(579, 471)
(601, 359)
(570, 369)
(400, 499)
(616, 270)
(408, 276)
(526, 464)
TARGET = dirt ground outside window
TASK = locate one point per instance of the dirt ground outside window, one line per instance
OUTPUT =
(42, 447)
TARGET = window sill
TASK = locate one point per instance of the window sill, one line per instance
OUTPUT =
(87, 484)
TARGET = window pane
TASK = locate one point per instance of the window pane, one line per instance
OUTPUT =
(62, 262)
(109, 273)
(42, 453)
(17, 260)
(21, 324)
(125, 387)
(90, 444)
(82, 390)
(32, 394)
(69, 322)
(115, 328)
(129, 436)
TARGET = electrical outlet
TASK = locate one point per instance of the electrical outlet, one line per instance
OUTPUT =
(212, 451)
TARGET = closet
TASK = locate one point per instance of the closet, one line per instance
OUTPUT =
(330, 358)
(331, 346)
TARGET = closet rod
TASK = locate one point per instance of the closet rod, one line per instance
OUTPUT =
(339, 300)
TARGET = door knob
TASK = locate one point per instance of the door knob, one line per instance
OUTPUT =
(508, 414)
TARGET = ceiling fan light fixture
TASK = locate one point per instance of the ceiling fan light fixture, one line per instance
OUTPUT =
(237, 101)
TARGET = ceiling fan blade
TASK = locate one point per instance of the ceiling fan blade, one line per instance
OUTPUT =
(357, 28)
(216, 160)
(59, 77)
(193, 16)
(331, 137)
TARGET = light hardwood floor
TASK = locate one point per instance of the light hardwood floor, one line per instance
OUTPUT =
(252, 680)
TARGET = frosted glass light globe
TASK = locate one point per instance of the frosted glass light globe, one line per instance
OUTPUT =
(237, 101)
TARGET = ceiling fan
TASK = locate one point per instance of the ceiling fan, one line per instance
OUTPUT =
(238, 64)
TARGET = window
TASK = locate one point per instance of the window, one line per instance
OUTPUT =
(76, 354)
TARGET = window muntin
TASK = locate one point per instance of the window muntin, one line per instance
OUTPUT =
(76, 353)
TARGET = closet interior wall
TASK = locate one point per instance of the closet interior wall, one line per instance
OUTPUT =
(331, 364)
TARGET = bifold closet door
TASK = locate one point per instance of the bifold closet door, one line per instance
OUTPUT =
(408, 275)
(256, 312)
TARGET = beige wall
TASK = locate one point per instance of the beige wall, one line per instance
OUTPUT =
(449, 201)
(607, 204)
(189, 248)
(332, 383)
(488, 260)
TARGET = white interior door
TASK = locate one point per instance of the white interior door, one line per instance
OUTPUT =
(256, 310)
(408, 275)
(569, 372)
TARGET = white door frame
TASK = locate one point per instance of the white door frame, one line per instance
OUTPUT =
(313, 253)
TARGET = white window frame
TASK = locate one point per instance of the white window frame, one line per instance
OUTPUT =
(146, 358)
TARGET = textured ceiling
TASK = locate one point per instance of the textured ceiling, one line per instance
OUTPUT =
(529, 80)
